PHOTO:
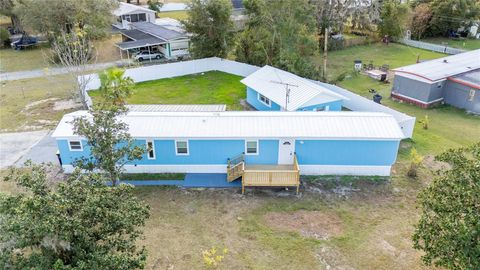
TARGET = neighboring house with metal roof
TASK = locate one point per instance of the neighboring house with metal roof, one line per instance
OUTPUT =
(272, 89)
(285, 143)
(148, 36)
(453, 80)
(128, 13)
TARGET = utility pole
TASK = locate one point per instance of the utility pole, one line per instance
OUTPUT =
(287, 91)
(325, 49)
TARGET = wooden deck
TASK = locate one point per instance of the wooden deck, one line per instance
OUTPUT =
(265, 175)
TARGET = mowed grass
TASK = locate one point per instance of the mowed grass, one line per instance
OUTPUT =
(212, 87)
(449, 127)
(32, 58)
(394, 55)
(466, 44)
(178, 15)
(28, 104)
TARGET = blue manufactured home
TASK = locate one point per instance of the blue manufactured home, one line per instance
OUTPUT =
(272, 89)
(261, 148)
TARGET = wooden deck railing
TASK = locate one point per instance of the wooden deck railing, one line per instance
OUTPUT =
(235, 167)
(272, 178)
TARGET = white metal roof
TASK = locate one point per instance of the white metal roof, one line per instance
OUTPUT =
(177, 108)
(268, 82)
(252, 124)
(125, 8)
(441, 68)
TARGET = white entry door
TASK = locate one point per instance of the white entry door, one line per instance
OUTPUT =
(286, 150)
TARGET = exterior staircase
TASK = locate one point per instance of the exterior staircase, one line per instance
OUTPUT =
(235, 167)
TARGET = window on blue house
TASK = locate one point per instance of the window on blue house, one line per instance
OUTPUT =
(75, 145)
(150, 150)
(324, 108)
(264, 100)
(251, 147)
(182, 147)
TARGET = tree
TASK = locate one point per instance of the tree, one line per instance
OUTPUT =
(393, 19)
(421, 17)
(74, 51)
(449, 227)
(155, 5)
(111, 146)
(451, 14)
(115, 86)
(54, 17)
(281, 34)
(211, 28)
(79, 224)
(6, 9)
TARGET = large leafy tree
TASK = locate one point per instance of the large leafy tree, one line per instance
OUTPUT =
(53, 17)
(79, 224)
(280, 33)
(449, 228)
(452, 14)
(212, 30)
(109, 142)
(422, 14)
(6, 9)
(394, 17)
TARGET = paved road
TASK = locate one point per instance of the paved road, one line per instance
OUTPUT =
(28, 74)
(16, 148)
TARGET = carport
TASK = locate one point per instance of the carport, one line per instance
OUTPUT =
(136, 39)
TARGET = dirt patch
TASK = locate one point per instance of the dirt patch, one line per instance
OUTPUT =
(66, 105)
(314, 224)
(430, 163)
(36, 103)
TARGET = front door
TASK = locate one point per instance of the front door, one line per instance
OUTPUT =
(286, 150)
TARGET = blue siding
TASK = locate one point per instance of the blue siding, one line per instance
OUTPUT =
(200, 152)
(344, 152)
(252, 99)
(332, 106)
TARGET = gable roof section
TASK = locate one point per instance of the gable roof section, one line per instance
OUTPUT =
(126, 8)
(157, 30)
(268, 82)
(442, 68)
(251, 124)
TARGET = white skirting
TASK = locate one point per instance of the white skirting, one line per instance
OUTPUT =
(344, 170)
(222, 168)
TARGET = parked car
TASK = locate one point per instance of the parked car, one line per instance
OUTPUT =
(146, 55)
(24, 42)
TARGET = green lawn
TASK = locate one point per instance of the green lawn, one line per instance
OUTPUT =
(466, 44)
(212, 87)
(394, 55)
(178, 15)
(32, 58)
(445, 122)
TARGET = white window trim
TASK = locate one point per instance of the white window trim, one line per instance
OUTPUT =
(75, 150)
(269, 104)
(153, 149)
(258, 148)
(176, 148)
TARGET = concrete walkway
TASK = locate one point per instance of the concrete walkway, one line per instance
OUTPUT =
(14, 146)
(28, 74)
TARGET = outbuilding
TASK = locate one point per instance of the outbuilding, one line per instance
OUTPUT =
(128, 13)
(453, 80)
(272, 89)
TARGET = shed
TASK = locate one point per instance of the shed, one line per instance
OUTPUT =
(272, 89)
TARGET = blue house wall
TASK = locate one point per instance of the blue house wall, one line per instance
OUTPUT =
(252, 99)
(309, 152)
(346, 152)
(201, 152)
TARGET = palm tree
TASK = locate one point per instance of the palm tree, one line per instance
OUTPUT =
(115, 87)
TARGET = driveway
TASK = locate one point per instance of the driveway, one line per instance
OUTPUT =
(16, 148)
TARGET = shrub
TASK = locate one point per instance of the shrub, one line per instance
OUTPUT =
(415, 163)
(4, 37)
(212, 258)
